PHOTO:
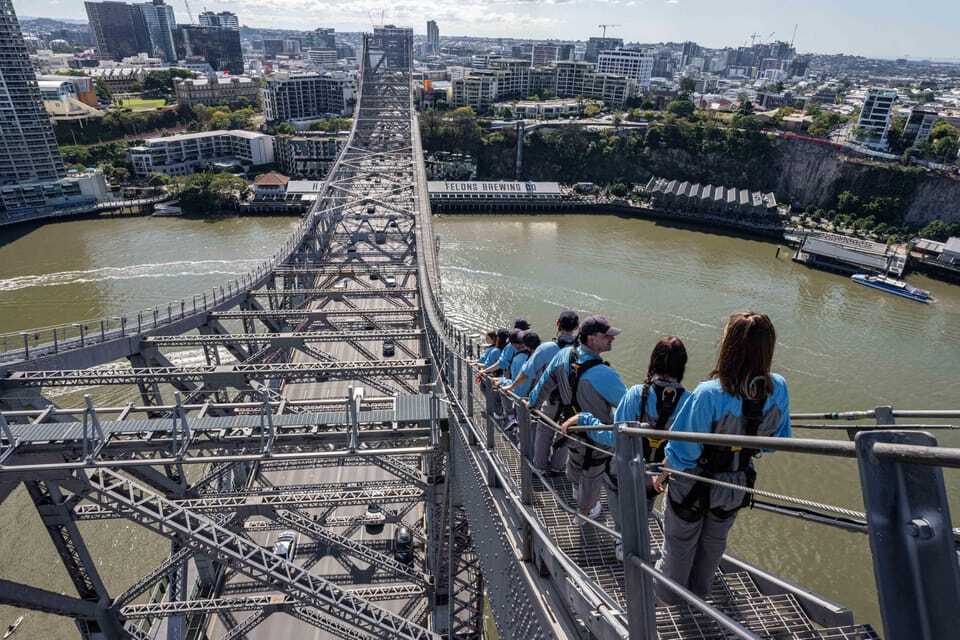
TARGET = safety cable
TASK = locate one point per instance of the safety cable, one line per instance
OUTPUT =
(802, 502)
(545, 420)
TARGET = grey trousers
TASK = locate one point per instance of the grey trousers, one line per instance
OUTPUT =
(589, 483)
(691, 552)
(543, 456)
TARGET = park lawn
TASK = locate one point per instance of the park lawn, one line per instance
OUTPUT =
(142, 104)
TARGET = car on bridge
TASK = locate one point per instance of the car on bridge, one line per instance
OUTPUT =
(390, 281)
(389, 348)
(286, 545)
(403, 545)
(374, 519)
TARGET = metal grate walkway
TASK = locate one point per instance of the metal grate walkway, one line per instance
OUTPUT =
(734, 593)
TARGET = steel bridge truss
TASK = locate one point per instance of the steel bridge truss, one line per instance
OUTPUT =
(348, 280)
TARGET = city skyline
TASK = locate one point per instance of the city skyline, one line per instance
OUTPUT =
(823, 26)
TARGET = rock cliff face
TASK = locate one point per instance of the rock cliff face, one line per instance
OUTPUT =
(812, 174)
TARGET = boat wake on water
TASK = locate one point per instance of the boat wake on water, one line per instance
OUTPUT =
(149, 270)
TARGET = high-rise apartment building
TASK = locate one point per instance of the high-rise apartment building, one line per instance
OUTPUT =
(637, 65)
(32, 182)
(219, 47)
(596, 45)
(223, 19)
(433, 37)
(396, 44)
(307, 96)
(919, 125)
(876, 116)
(29, 151)
(118, 28)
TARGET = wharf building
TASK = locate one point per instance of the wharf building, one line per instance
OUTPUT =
(844, 254)
(182, 154)
(449, 196)
(543, 109)
(309, 154)
(216, 89)
(876, 116)
(709, 199)
(310, 96)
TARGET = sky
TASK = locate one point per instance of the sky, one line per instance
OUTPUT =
(875, 28)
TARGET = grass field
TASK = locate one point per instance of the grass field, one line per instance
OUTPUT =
(141, 104)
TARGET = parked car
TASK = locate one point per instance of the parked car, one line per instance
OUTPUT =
(286, 545)
(374, 519)
(403, 545)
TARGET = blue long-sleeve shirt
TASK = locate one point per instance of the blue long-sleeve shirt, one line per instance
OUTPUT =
(628, 410)
(506, 354)
(489, 356)
(710, 405)
(603, 382)
(537, 363)
(516, 367)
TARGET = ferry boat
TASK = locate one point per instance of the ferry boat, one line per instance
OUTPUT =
(894, 286)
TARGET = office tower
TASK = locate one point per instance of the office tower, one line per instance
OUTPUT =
(433, 37)
(876, 116)
(118, 28)
(396, 43)
(596, 45)
(28, 148)
(543, 54)
(218, 46)
(224, 20)
(160, 24)
(322, 38)
(637, 65)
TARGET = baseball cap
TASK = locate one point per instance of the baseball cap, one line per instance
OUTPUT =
(568, 320)
(597, 324)
(521, 323)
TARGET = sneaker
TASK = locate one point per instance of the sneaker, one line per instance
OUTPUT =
(595, 511)
(618, 551)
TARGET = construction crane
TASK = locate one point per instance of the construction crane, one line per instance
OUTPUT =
(753, 37)
(604, 27)
(189, 12)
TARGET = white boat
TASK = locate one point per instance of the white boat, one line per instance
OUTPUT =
(894, 286)
(12, 629)
(165, 210)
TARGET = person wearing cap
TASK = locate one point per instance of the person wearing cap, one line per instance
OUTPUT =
(506, 355)
(544, 457)
(584, 382)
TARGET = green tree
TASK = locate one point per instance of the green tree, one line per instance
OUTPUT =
(681, 107)
(591, 109)
(103, 91)
(687, 86)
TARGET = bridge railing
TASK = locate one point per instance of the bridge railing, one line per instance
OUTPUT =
(914, 546)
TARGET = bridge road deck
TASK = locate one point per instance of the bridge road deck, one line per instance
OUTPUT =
(355, 248)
